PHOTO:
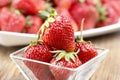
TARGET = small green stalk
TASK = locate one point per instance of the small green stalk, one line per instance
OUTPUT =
(80, 38)
(81, 30)
(101, 10)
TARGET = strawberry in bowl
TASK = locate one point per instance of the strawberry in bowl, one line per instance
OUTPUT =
(56, 57)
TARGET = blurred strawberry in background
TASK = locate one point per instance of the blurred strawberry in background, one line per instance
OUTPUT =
(63, 3)
(115, 5)
(111, 14)
(29, 6)
(4, 3)
(33, 23)
(82, 10)
(97, 13)
(11, 21)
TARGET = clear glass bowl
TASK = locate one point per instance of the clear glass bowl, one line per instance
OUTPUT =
(41, 70)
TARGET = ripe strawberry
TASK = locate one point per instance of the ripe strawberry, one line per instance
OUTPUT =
(33, 23)
(68, 60)
(64, 12)
(4, 3)
(40, 52)
(82, 10)
(111, 16)
(29, 6)
(11, 21)
(59, 34)
(62, 3)
(87, 49)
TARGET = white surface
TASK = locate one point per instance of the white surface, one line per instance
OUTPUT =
(17, 39)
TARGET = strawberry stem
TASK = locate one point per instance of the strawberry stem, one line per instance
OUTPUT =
(81, 30)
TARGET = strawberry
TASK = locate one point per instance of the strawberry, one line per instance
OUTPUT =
(63, 59)
(87, 49)
(64, 12)
(59, 34)
(11, 21)
(83, 10)
(110, 17)
(39, 51)
(4, 3)
(62, 3)
(29, 6)
(33, 23)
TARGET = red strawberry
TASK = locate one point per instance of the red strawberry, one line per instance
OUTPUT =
(111, 16)
(64, 12)
(63, 3)
(59, 34)
(4, 3)
(29, 6)
(11, 21)
(39, 52)
(82, 10)
(61, 73)
(33, 24)
(87, 50)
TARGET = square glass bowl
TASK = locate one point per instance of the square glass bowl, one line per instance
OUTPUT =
(41, 70)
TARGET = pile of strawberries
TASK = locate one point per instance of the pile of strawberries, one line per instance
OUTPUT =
(23, 15)
(57, 45)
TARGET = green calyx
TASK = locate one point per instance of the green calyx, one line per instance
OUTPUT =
(28, 21)
(50, 14)
(60, 54)
(102, 11)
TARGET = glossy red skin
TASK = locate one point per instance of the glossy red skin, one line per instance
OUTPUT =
(60, 34)
(39, 52)
(35, 26)
(64, 12)
(111, 16)
(11, 21)
(80, 11)
(61, 73)
(4, 3)
(29, 6)
(87, 51)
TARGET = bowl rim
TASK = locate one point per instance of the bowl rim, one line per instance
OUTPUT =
(104, 52)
